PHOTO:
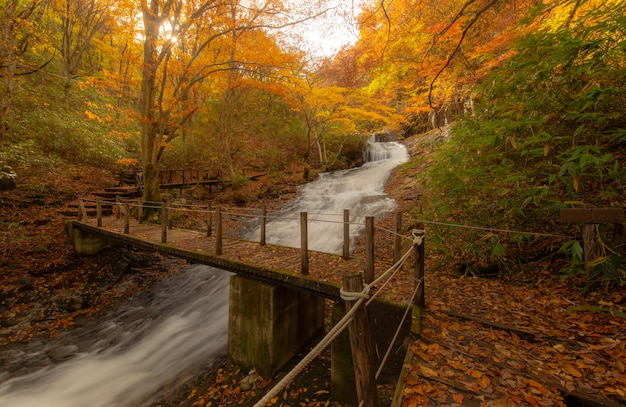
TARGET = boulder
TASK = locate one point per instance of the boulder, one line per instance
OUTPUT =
(7, 179)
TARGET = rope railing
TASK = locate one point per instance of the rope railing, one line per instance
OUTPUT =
(360, 298)
(231, 211)
(357, 299)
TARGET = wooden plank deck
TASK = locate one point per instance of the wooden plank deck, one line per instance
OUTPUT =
(274, 264)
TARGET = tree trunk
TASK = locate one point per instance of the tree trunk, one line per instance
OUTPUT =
(10, 63)
(149, 130)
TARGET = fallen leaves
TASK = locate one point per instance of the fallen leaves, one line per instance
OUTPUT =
(490, 356)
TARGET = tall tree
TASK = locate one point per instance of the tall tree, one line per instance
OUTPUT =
(17, 29)
(80, 22)
(171, 73)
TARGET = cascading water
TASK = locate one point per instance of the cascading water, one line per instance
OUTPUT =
(179, 325)
(360, 190)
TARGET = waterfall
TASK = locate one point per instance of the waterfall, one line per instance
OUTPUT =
(361, 190)
(126, 357)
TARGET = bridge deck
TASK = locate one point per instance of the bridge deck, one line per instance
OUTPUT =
(275, 264)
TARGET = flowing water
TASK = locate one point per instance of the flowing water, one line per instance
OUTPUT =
(360, 190)
(126, 357)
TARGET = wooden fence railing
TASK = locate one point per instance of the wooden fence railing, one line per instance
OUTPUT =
(215, 228)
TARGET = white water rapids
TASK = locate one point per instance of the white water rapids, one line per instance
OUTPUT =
(360, 190)
(179, 325)
(125, 358)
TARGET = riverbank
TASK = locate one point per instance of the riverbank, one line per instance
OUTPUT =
(524, 338)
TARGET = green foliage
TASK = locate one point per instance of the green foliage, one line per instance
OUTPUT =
(549, 131)
(42, 120)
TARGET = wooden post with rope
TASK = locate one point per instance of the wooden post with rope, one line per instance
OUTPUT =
(361, 344)
(369, 249)
(591, 218)
(263, 223)
(209, 220)
(218, 231)
(126, 217)
(304, 244)
(82, 212)
(163, 222)
(346, 234)
(397, 241)
(418, 248)
(99, 212)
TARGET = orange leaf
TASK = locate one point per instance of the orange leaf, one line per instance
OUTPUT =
(476, 374)
(530, 400)
(458, 398)
(573, 371)
(535, 384)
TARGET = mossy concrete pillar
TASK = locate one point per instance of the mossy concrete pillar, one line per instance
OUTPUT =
(86, 243)
(268, 325)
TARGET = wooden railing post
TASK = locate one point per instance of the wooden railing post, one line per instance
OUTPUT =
(82, 212)
(263, 223)
(169, 212)
(419, 242)
(304, 243)
(369, 249)
(591, 218)
(209, 221)
(397, 241)
(126, 218)
(99, 212)
(140, 210)
(361, 345)
(163, 222)
(346, 234)
(218, 231)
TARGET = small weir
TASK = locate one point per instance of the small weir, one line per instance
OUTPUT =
(180, 326)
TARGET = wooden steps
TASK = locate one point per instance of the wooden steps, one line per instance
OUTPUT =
(122, 192)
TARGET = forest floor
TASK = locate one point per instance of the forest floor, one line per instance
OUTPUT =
(513, 339)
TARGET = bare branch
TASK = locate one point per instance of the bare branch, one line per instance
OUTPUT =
(460, 42)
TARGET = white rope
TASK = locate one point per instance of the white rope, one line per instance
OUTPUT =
(396, 269)
(418, 236)
(353, 296)
(493, 229)
(330, 336)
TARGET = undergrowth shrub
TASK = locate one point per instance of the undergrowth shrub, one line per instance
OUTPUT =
(549, 133)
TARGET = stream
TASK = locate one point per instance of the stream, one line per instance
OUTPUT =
(360, 190)
(163, 336)
(125, 358)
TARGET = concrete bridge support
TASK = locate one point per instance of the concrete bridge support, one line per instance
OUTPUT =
(268, 324)
(86, 243)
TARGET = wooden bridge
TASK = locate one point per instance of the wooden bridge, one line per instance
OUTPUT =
(131, 182)
(215, 242)
(278, 295)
